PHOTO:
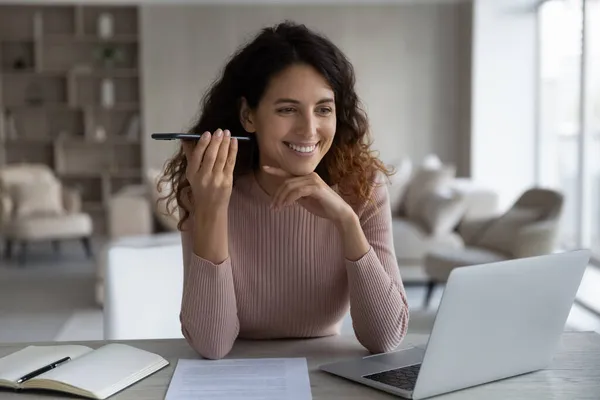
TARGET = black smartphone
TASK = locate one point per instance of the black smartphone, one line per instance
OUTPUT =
(187, 136)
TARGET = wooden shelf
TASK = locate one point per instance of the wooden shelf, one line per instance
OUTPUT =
(110, 73)
(17, 40)
(79, 141)
(133, 173)
(91, 39)
(120, 107)
(30, 73)
(45, 106)
(93, 206)
(59, 47)
(95, 73)
(27, 141)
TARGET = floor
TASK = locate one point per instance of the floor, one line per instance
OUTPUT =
(52, 299)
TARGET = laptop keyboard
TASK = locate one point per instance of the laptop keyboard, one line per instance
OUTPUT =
(403, 378)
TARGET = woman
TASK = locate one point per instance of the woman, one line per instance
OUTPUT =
(281, 245)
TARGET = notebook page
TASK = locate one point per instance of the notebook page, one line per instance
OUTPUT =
(104, 368)
(22, 362)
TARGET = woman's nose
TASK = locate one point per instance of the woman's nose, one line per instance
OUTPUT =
(309, 126)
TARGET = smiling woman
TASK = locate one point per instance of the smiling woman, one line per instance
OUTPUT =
(283, 245)
(295, 118)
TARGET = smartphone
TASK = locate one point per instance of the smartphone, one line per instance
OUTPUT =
(187, 136)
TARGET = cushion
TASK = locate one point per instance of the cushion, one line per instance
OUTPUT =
(52, 227)
(426, 180)
(501, 233)
(442, 211)
(412, 242)
(438, 264)
(398, 184)
(37, 198)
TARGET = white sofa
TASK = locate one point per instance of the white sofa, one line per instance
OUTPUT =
(412, 241)
(133, 211)
(429, 205)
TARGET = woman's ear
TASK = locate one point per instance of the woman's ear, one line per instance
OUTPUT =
(246, 118)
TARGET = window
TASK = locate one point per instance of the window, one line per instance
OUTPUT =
(592, 101)
(569, 115)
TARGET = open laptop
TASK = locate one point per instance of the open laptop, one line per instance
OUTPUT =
(495, 321)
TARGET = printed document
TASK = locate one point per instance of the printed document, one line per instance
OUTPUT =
(241, 379)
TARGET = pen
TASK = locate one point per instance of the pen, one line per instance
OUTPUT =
(43, 369)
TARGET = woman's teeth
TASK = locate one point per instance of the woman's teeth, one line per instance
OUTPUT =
(302, 149)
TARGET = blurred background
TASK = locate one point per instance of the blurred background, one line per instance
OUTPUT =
(502, 97)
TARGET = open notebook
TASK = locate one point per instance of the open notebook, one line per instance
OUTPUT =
(90, 373)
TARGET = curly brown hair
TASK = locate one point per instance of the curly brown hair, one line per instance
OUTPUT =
(350, 163)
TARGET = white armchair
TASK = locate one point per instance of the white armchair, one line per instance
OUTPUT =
(136, 210)
(36, 206)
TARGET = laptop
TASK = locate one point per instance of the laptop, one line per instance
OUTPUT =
(495, 321)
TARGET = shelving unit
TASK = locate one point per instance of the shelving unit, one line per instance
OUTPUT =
(55, 75)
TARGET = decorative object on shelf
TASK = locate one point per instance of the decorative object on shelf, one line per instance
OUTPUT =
(105, 26)
(38, 25)
(2, 128)
(107, 97)
(132, 131)
(38, 33)
(82, 69)
(20, 64)
(11, 126)
(109, 55)
(22, 57)
(100, 134)
(63, 135)
(34, 94)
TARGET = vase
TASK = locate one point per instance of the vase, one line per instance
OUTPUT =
(105, 26)
(107, 93)
(100, 134)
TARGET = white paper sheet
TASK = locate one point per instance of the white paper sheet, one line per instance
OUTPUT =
(243, 379)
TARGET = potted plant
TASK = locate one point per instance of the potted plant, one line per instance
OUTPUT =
(109, 55)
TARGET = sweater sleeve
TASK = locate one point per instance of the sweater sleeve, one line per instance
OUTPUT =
(378, 304)
(208, 314)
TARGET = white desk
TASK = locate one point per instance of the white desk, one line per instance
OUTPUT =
(573, 375)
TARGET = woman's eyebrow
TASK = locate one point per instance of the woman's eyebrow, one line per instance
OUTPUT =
(293, 101)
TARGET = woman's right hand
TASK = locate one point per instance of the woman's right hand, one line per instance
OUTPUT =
(210, 164)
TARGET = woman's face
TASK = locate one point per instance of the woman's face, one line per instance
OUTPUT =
(295, 120)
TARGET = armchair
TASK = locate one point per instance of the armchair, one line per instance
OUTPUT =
(529, 228)
(35, 206)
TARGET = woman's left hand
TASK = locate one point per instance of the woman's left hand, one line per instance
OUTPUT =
(312, 193)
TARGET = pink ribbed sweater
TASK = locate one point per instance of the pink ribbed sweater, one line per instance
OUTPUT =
(287, 277)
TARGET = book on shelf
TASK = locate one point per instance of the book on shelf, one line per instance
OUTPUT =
(78, 370)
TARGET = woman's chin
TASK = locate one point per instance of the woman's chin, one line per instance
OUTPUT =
(300, 170)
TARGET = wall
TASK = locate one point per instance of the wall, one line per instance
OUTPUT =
(409, 60)
(504, 95)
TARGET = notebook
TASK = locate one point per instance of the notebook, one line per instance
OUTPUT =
(95, 374)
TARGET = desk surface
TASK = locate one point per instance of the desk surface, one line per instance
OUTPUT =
(574, 374)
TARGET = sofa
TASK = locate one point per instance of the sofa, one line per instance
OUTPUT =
(447, 200)
(429, 206)
(528, 228)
